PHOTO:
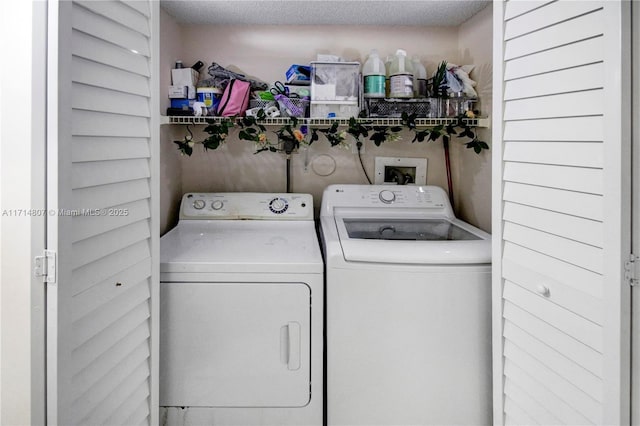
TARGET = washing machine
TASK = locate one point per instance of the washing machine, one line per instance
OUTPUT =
(241, 305)
(408, 309)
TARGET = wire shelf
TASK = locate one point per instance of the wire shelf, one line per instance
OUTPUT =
(315, 122)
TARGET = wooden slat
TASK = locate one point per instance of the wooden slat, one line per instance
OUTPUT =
(94, 49)
(120, 396)
(553, 106)
(585, 77)
(566, 321)
(106, 148)
(560, 409)
(140, 415)
(529, 405)
(577, 204)
(559, 364)
(579, 154)
(574, 397)
(133, 410)
(97, 173)
(569, 347)
(578, 229)
(109, 267)
(105, 100)
(110, 312)
(581, 28)
(107, 196)
(582, 255)
(572, 55)
(113, 392)
(103, 292)
(551, 14)
(92, 249)
(94, 74)
(569, 275)
(560, 294)
(103, 367)
(580, 129)
(122, 339)
(516, 414)
(569, 178)
(106, 29)
(516, 8)
(89, 226)
(141, 6)
(120, 13)
(89, 123)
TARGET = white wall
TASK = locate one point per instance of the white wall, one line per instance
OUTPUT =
(22, 187)
(472, 172)
(170, 164)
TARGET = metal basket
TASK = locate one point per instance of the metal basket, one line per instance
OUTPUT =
(393, 108)
(301, 105)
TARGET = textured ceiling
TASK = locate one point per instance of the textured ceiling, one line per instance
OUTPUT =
(306, 12)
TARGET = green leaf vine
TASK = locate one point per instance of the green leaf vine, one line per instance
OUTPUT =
(292, 136)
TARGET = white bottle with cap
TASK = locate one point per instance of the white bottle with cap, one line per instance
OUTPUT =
(374, 73)
(401, 76)
(419, 78)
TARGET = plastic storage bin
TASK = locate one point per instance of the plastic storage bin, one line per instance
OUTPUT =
(335, 89)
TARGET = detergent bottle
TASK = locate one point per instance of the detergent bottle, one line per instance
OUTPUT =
(419, 78)
(374, 73)
(401, 76)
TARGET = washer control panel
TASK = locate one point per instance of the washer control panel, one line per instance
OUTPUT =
(431, 198)
(246, 205)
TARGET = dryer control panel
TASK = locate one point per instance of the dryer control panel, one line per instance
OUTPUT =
(246, 205)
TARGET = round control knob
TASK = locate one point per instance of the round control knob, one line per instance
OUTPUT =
(278, 205)
(217, 204)
(199, 204)
(387, 196)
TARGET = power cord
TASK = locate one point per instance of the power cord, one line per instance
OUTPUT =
(359, 146)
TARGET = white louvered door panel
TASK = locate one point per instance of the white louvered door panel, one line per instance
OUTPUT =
(562, 212)
(102, 192)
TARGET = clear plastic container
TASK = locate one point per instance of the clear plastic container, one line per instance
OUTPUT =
(335, 82)
(401, 76)
(374, 76)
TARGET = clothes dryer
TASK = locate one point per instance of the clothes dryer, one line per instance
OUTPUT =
(241, 307)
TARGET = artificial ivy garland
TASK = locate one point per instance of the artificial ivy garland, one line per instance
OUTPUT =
(290, 136)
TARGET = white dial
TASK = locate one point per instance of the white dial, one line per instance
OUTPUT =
(199, 204)
(278, 205)
(387, 196)
(217, 204)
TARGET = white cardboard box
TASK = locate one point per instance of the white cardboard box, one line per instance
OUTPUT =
(182, 92)
(185, 77)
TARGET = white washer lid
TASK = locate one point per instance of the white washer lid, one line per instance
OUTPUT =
(451, 241)
(246, 246)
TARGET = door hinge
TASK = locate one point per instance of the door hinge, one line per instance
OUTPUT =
(45, 266)
(631, 270)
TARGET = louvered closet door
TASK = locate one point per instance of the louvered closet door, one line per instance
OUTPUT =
(561, 209)
(103, 223)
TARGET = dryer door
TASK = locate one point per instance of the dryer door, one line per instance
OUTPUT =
(235, 344)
